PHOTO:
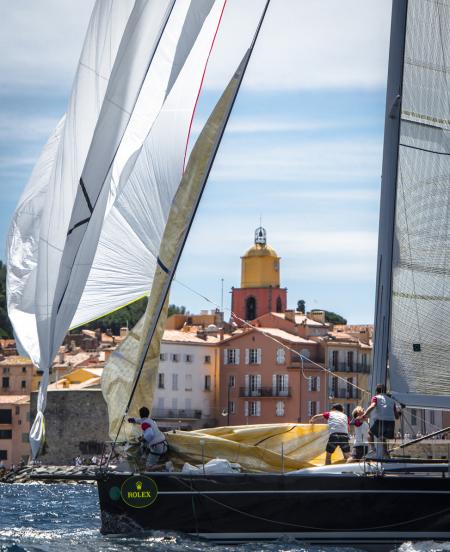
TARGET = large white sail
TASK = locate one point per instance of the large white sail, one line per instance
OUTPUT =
(129, 377)
(419, 344)
(46, 203)
(129, 242)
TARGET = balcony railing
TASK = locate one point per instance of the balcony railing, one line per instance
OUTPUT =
(175, 413)
(356, 367)
(345, 394)
(265, 392)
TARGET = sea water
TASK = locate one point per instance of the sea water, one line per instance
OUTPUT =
(37, 517)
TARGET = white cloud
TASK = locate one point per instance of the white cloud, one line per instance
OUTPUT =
(26, 127)
(41, 42)
(306, 44)
(302, 44)
(296, 160)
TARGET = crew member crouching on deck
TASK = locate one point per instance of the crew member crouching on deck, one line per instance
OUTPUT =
(154, 442)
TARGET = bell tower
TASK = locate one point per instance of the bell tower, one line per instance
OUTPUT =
(260, 290)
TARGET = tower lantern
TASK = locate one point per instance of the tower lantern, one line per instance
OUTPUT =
(260, 290)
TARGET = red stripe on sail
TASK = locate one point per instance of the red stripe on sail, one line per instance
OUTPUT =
(201, 83)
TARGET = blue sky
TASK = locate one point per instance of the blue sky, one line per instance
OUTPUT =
(302, 149)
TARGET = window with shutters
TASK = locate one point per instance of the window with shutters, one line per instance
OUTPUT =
(207, 359)
(253, 385)
(231, 356)
(231, 381)
(207, 383)
(232, 407)
(188, 358)
(253, 356)
(350, 359)
(174, 382)
(334, 359)
(313, 408)
(163, 357)
(254, 408)
(160, 381)
(314, 383)
(279, 410)
(188, 382)
(175, 357)
(305, 353)
(281, 356)
(280, 385)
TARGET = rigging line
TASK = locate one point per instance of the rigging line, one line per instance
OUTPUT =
(201, 83)
(246, 323)
(196, 202)
(426, 150)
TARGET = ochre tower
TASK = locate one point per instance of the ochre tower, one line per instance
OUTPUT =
(260, 290)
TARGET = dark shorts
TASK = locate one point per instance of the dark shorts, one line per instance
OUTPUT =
(338, 440)
(359, 451)
(383, 429)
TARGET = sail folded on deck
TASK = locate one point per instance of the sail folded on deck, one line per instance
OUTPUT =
(419, 353)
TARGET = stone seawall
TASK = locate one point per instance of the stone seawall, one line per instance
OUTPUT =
(76, 424)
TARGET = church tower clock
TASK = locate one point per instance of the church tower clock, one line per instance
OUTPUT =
(260, 290)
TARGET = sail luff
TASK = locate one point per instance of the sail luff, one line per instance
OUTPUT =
(388, 192)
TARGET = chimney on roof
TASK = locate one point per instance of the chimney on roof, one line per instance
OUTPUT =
(289, 315)
(317, 315)
(123, 332)
(61, 357)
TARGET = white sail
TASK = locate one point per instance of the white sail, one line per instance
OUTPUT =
(45, 206)
(118, 389)
(133, 101)
(419, 347)
(128, 246)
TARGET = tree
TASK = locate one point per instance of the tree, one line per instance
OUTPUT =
(5, 324)
(334, 318)
(174, 309)
(301, 306)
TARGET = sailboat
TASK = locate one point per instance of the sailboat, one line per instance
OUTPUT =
(371, 502)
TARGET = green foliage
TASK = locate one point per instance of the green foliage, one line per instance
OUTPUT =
(5, 324)
(126, 316)
(173, 309)
(334, 318)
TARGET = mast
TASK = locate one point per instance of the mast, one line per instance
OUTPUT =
(389, 192)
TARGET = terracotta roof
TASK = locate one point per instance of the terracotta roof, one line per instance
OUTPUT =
(299, 319)
(286, 336)
(16, 359)
(177, 336)
(14, 399)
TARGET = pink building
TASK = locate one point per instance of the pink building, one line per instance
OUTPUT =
(14, 429)
(263, 380)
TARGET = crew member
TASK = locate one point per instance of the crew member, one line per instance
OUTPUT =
(338, 427)
(154, 440)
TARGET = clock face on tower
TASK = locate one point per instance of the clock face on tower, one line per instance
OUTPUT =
(260, 236)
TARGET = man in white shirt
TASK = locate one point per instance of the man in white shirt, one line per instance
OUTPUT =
(338, 427)
(154, 438)
(383, 410)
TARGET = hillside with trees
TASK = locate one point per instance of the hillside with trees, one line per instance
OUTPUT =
(5, 324)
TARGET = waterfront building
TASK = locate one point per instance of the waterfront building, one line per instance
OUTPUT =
(263, 379)
(187, 389)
